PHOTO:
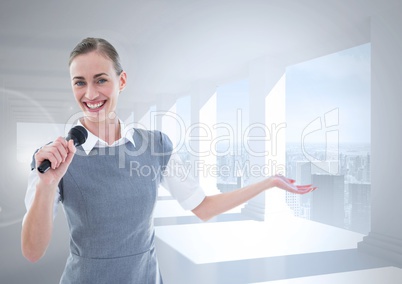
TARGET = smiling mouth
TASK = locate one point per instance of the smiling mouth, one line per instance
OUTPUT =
(94, 105)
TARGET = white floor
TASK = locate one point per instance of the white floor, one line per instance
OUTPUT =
(386, 275)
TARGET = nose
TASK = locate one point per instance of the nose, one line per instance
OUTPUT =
(91, 92)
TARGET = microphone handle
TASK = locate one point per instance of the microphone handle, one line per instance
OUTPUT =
(45, 165)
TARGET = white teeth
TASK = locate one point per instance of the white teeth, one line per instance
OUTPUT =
(94, 106)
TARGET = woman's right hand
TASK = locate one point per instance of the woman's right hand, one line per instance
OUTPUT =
(60, 153)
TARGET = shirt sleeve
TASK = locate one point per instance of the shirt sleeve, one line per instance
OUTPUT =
(31, 191)
(181, 184)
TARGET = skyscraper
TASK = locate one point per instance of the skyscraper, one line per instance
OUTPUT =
(359, 199)
(327, 203)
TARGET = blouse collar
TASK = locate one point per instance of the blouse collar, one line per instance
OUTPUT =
(92, 141)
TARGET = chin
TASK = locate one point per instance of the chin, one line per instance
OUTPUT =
(95, 117)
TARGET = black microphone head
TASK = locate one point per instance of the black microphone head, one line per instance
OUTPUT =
(79, 135)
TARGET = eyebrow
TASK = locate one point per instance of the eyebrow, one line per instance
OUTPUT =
(95, 76)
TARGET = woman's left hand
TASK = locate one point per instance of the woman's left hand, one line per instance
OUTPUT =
(290, 186)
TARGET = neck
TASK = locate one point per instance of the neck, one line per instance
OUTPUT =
(107, 130)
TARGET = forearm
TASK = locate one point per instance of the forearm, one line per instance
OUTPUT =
(220, 203)
(38, 224)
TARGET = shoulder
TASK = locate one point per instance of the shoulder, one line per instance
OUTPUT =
(151, 134)
(155, 138)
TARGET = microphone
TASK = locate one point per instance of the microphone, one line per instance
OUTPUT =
(78, 134)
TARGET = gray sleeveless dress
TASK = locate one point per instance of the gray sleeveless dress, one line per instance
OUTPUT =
(109, 209)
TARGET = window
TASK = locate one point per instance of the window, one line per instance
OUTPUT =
(328, 137)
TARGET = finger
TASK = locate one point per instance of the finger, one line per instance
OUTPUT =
(55, 159)
(54, 152)
(71, 152)
(305, 185)
(59, 150)
(312, 189)
(48, 153)
(61, 140)
(71, 146)
(304, 190)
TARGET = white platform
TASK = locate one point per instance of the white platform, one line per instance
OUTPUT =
(239, 240)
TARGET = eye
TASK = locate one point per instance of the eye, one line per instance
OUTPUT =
(79, 83)
(101, 81)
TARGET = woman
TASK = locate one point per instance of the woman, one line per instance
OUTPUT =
(108, 208)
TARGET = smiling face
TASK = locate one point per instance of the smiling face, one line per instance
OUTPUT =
(96, 86)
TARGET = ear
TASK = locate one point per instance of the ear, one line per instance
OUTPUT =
(123, 80)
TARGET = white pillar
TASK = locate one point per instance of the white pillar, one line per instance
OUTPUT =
(208, 169)
(163, 105)
(142, 115)
(385, 237)
(202, 133)
(171, 125)
(266, 144)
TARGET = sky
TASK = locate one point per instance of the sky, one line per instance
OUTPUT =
(338, 81)
(337, 85)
